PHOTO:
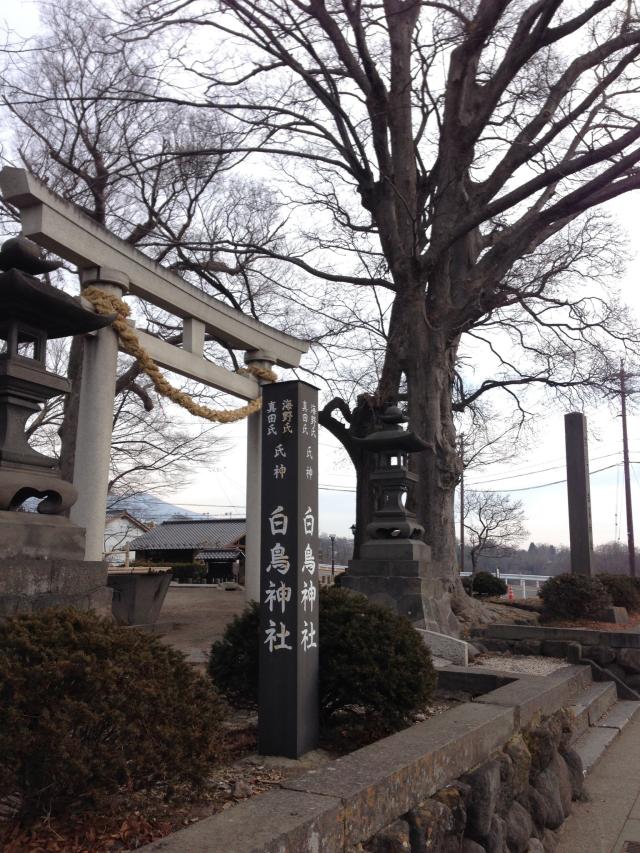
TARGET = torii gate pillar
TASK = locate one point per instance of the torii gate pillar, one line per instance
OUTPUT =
(95, 419)
(258, 358)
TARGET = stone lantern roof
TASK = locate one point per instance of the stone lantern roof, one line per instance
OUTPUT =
(26, 299)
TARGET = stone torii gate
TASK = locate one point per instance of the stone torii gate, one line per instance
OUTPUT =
(107, 262)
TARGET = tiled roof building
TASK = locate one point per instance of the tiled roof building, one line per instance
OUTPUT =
(218, 542)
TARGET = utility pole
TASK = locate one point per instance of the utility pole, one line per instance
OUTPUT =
(627, 477)
(462, 502)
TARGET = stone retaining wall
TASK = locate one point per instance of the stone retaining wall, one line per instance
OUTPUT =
(504, 755)
(512, 802)
(617, 652)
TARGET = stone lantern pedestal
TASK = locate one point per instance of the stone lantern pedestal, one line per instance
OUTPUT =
(393, 563)
(41, 553)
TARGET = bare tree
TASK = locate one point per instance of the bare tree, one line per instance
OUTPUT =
(464, 198)
(444, 160)
(123, 165)
(495, 523)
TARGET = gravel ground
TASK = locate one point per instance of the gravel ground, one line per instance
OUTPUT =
(529, 664)
(198, 615)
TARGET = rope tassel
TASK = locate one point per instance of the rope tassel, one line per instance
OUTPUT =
(107, 303)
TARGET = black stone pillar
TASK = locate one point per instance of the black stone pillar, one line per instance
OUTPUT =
(288, 692)
(578, 492)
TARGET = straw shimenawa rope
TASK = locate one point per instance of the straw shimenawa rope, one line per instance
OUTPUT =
(106, 303)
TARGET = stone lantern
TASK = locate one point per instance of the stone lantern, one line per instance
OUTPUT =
(33, 545)
(392, 480)
(392, 566)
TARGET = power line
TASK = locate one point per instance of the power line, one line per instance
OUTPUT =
(556, 482)
(541, 470)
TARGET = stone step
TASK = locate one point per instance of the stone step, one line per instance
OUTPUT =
(592, 743)
(619, 715)
(592, 703)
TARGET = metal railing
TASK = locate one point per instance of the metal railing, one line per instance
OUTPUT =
(534, 582)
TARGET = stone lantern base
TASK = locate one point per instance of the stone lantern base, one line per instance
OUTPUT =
(392, 573)
(42, 565)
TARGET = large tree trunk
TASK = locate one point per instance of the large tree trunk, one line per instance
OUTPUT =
(361, 422)
(426, 355)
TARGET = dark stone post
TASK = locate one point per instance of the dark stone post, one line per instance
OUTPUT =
(288, 691)
(580, 536)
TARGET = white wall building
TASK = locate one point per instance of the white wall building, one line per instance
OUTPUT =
(120, 529)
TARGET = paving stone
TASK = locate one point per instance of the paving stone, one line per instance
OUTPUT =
(630, 833)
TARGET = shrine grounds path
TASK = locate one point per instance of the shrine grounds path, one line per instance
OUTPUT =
(611, 817)
(193, 616)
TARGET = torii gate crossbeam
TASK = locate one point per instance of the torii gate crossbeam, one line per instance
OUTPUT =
(106, 261)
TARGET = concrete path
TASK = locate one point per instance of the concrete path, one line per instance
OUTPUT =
(611, 817)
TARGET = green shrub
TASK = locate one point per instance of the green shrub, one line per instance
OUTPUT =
(372, 660)
(375, 671)
(467, 584)
(182, 572)
(484, 583)
(86, 707)
(233, 662)
(624, 590)
(571, 596)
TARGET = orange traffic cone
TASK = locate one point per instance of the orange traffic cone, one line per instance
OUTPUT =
(510, 592)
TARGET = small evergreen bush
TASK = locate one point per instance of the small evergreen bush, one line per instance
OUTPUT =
(194, 572)
(86, 707)
(233, 662)
(624, 590)
(571, 596)
(484, 583)
(375, 671)
(467, 584)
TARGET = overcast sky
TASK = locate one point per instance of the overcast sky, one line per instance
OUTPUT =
(533, 478)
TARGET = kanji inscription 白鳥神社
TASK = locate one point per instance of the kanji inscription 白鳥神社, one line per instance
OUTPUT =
(289, 629)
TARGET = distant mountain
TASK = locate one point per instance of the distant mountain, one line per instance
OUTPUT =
(149, 508)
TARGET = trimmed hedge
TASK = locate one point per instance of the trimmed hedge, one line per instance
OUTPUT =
(188, 571)
(375, 671)
(624, 590)
(484, 583)
(571, 596)
(87, 707)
